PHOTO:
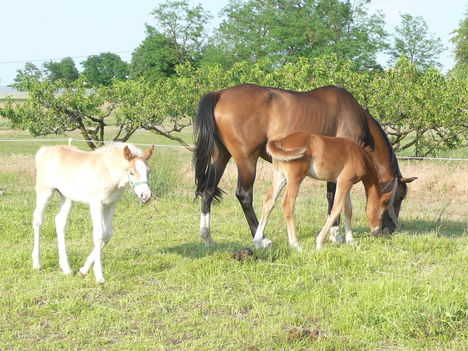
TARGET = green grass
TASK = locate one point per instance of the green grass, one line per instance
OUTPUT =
(165, 290)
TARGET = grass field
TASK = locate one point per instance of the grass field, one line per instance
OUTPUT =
(165, 290)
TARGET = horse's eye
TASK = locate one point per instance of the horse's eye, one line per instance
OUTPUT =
(131, 173)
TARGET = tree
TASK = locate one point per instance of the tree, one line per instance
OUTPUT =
(154, 59)
(460, 39)
(413, 41)
(64, 70)
(285, 30)
(59, 107)
(30, 70)
(183, 26)
(100, 70)
(422, 111)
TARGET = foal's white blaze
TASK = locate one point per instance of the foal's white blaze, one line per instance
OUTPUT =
(142, 190)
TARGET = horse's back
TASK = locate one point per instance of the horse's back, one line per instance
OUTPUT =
(251, 114)
(329, 156)
(74, 173)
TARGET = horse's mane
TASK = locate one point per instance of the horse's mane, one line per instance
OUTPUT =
(393, 159)
(120, 146)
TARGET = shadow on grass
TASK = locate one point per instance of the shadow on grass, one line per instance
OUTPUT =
(199, 249)
(442, 228)
(196, 250)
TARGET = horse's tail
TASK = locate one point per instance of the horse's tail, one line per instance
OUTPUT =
(277, 152)
(206, 138)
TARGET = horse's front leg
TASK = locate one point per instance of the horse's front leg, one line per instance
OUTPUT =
(335, 228)
(343, 189)
(97, 216)
(61, 220)
(348, 211)
(210, 193)
(108, 216)
(279, 180)
(42, 199)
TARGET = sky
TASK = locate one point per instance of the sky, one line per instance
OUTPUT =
(43, 30)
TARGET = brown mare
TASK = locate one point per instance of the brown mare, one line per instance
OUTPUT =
(237, 122)
(336, 160)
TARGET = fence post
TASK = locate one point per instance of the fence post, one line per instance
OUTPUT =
(69, 141)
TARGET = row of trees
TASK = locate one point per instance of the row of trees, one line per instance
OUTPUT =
(251, 30)
(290, 44)
(424, 111)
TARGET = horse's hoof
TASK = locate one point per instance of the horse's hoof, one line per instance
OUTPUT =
(296, 247)
(337, 239)
(266, 243)
(67, 272)
(209, 242)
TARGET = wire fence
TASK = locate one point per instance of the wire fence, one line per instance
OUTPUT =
(71, 140)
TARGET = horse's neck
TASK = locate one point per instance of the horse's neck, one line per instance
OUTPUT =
(117, 166)
(382, 154)
(371, 179)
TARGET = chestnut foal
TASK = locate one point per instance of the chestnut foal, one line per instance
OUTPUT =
(330, 159)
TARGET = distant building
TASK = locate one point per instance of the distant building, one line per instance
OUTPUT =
(8, 91)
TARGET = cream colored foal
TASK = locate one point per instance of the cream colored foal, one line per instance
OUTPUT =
(97, 178)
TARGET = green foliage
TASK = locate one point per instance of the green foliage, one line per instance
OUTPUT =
(154, 59)
(64, 70)
(102, 69)
(413, 41)
(59, 107)
(30, 71)
(424, 111)
(460, 39)
(285, 30)
(183, 26)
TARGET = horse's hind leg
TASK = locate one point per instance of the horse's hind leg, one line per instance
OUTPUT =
(244, 193)
(61, 224)
(42, 198)
(335, 228)
(209, 194)
(289, 200)
(279, 180)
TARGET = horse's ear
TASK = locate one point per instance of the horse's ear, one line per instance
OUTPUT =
(148, 152)
(128, 154)
(408, 180)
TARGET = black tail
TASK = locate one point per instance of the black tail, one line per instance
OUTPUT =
(205, 142)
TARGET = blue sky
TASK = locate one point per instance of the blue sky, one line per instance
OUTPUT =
(38, 31)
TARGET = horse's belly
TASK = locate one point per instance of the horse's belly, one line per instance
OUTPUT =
(317, 172)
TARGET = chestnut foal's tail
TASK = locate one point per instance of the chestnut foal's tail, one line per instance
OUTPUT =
(277, 152)
(206, 138)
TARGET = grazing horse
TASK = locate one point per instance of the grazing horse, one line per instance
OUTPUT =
(237, 122)
(97, 178)
(337, 160)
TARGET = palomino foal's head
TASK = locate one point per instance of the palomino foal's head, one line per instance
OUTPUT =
(138, 172)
